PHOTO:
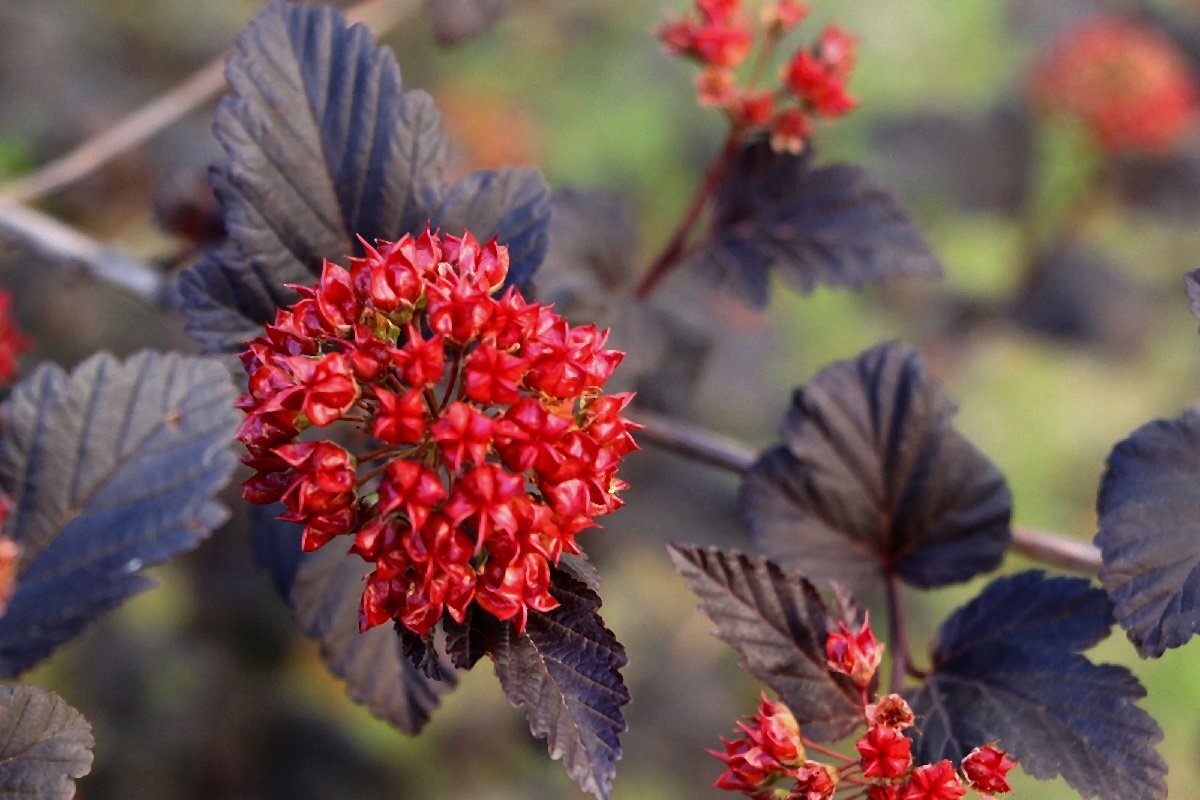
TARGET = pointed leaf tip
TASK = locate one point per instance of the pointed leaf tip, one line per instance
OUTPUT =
(565, 671)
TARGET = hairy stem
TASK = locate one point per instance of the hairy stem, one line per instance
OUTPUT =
(676, 246)
(730, 454)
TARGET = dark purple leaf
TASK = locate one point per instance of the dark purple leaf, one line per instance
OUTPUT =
(455, 21)
(1150, 533)
(512, 203)
(421, 653)
(322, 146)
(777, 623)
(872, 479)
(111, 469)
(1007, 668)
(1082, 298)
(377, 673)
(829, 226)
(470, 641)
(323, 591)
(565, 671)
(47, 745)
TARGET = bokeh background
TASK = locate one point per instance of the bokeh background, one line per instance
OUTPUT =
(204, 689)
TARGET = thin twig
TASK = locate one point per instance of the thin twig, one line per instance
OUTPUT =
(1056, 550)
(714, 449)
(59, 243)
(735, 456)
(162, 112)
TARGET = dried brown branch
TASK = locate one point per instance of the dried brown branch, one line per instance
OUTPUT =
(61, 244)
(162, 112)
(735, 456)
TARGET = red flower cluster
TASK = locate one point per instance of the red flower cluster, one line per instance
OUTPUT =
(773, 747)
(1127, 84)
(770, 750)
(493, 446)
(12, 342)
(813, 81)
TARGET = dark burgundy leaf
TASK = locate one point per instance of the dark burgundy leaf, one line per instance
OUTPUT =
(112, 469)
(322, 146)
(421, 653)
(324, 593)
(1007, 669)
(456, 21)
(565, 671)
(473, 639)
(828, 226)
(872, 478)
(47, 745)
(1083, 298)
(1192, 281)
(1150, 533)
(777, 623)
(512, 203)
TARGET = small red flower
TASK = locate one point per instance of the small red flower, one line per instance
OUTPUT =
(790, 131)
(783, 15)
(986, 769)
(886, 752)
(854, 654)
(892, 711)
(769, 748)
(814, 781)
(716, 86)
(889, 791)
(12, 342)
(777, 730)
(748, 767)
(934, 782)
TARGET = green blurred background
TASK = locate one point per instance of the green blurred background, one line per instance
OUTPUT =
(202, 688)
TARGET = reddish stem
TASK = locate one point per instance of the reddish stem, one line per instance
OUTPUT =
(809, 744)
(676, 246)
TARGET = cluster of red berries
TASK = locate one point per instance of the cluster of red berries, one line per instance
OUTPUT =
(491, 445)
(12, 342)
(773, 749)
(812, 83)
(1127, 84)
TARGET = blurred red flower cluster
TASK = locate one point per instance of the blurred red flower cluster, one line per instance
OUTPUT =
(812, 83)
(1127, 84)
